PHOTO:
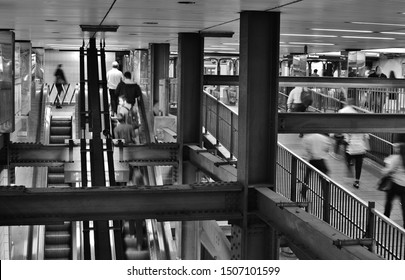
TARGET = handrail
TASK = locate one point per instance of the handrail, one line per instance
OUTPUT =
(330, 201)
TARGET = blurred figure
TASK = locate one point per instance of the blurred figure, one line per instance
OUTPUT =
(315, 74)
(316, 147)
(395, 166)
(356, 147)
(60, 80)
(294, 102)
(129, 89)
(392, 75)
(114, 77)
(377, 73)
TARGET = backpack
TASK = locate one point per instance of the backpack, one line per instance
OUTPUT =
(306, 98)
(133, 118)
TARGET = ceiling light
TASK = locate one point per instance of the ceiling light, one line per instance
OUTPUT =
(150, 22)
(99, 28)
(220, 48)
(368, 38)
(388, 50)
(315, 44)
(393, 33)
(377, 23)
(309, 35)
(186, 2)
(231, 44)
(342, 30)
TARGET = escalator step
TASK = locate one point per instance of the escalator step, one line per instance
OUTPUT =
(58, 139)
(56, 169)
(60, 227)
(57, 237)
(56, 178)
(57, 186)
(57, 251)
(132, 254)
(61, 130)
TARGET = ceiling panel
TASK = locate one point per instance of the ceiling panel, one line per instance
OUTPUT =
(28, 19)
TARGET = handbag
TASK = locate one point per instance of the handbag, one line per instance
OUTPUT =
(384, 184)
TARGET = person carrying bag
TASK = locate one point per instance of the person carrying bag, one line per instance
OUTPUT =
(395, 171)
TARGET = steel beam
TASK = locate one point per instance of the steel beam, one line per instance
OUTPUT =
(207, 163)
(304, 231)
(215, 201)
(29, 154)
(312, 81)
(340, 123)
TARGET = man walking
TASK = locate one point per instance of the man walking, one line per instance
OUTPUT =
(114, 77)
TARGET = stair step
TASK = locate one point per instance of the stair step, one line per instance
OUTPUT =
(56, 169)
(61, 130)
(56, 178)
(59, 227)
(58, 186)
(132, 254)
(57, 251)
(58, 237)
(58, 139)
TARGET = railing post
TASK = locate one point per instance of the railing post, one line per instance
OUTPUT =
(326, 200)
(293, 179)
(206, 114)
(217, 125)
(231, 142)
(370, 223)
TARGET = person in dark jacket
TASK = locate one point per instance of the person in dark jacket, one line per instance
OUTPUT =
(129, 89)
(60, 80)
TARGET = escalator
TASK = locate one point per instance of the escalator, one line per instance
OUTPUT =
(58, 238)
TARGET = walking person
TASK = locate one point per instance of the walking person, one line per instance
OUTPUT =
(317, 148)
(395, 166)
(60, 80)
(299, 100)
(129, 89)
(114, 77)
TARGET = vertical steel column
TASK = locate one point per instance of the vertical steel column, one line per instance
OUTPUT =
(257, 139)
(101, 228)
(93, 89)
(189, 73)
(159, 57)
(105, 111)
(82, 96)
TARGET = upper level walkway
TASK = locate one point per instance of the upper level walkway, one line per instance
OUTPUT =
(371, 172)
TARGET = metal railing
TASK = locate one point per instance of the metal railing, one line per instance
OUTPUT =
(67, 95)
(329, 201)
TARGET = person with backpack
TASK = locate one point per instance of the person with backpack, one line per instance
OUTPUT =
(127, 122)
(299, 100)
(129, 89)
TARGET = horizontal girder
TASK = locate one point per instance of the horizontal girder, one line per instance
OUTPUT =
(340, 123)
(304, 231)
(213, 201)
(29, 154)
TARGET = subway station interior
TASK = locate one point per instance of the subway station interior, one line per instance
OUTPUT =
(217, 168)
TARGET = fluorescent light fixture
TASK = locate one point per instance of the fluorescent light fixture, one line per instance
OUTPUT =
(342, 30)
(220, 48)
(288, 46)
(329, 53)
(231, 44)
(314, 44)
(377, 23)
(368, 38)
(309, 35)
(393, 33)
(388, 50)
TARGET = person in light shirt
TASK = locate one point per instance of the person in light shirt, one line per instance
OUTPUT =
(114, 77)
(317, 148)
(395, 165)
